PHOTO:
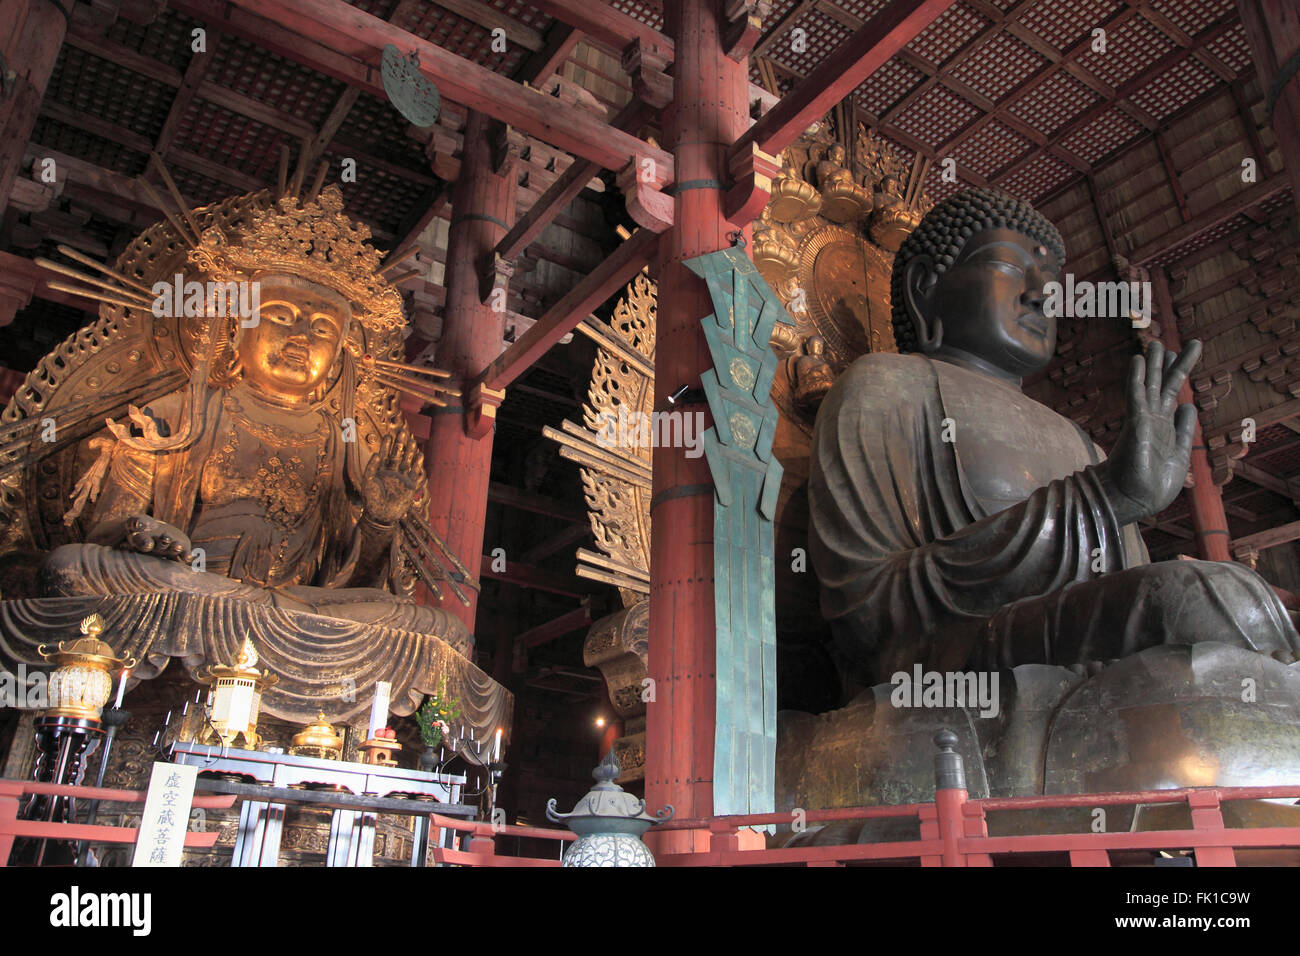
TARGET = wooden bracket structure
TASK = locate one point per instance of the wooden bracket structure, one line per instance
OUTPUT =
(647, 63)
(507, 144)
(481, 404)
(16, 290)
(743, 26)
(494, 272)
(751, 172)
(649, 207)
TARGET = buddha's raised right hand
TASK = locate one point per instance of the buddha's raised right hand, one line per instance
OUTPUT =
(150, 536)
(1148, 465)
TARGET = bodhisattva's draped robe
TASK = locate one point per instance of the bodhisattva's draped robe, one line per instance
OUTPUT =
(958, 523)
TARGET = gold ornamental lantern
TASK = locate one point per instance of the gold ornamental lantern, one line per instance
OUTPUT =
(82, 680)
(318, 740)
(235, 698)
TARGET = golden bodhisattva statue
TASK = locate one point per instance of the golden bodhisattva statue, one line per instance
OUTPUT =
(262, 467)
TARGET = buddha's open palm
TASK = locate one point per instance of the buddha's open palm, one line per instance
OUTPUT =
(389, 484)
(1149, 463)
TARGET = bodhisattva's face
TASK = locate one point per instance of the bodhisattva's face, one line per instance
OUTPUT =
(288, 354)
(991, 303)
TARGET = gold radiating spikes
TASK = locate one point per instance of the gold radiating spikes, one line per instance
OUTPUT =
(915, 179)
(397, 257)
(97, 296)
(603, 561)
(423, 558)
(317, 183)
(181, 204)
(423, 383)
(374, 360)
(398, 280)
(86, 260)
(176, 224)
(430, 392)
(137, 298)
(610, 577)
(417, 520)
(585, 451)
(581, 439)
(417, 562)
(15, 436)
(606, 338)
(282, 176)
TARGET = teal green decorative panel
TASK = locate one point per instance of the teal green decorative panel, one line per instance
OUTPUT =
(747, 478)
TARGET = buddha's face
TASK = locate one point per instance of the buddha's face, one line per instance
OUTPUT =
(990, 302)
(288, 354)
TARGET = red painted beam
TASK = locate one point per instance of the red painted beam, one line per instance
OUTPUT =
(843, 71)
(282, 41)
(352, 32)
(603, 24)
(563, 317)
(555, 628)
(1216, 215)
(561, 40)
(528, 576)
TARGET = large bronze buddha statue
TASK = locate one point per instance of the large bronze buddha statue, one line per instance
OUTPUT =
(957, 525)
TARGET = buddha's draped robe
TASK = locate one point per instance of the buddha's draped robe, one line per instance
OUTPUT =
(276, 523)
(958, 523)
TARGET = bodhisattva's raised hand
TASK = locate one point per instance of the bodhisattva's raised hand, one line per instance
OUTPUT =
(388, 486)
(1149, 463)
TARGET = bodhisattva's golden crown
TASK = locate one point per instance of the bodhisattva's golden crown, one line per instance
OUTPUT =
(315, 241)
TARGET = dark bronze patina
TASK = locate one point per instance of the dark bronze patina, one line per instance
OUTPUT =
(959, 525)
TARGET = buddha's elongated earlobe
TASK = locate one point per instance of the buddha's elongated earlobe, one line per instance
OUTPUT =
(919, 284)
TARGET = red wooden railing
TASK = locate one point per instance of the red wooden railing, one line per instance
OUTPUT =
(12, 792)
(954, 831)
(481, 850)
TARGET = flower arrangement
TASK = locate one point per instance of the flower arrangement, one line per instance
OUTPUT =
(435, 716)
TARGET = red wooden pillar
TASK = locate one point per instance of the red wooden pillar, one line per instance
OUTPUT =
(31, 32)
(708, 113)
(482, 209)
(1273, 31)
(1209, 520)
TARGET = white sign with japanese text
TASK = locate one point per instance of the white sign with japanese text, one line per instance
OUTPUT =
(166, 815)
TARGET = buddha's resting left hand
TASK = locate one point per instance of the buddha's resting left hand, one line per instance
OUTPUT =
(388, 486)
(1148, 465)
(150, 536)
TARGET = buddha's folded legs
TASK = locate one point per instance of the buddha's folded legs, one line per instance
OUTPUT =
(1173, 602)
(78, 570)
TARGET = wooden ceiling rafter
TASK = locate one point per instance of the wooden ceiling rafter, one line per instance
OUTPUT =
(1056, 62)
(359, 36)
(608, 28)
(840, 73)
(890, 132)
(1130, 86)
